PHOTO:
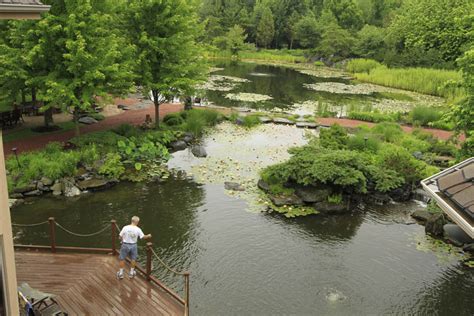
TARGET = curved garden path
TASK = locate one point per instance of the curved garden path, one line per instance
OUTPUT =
(133, 116)
(137, 116)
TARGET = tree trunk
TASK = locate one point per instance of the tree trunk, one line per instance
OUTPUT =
(76, 122)
(23, 96)
(157, 108)
(188, 103)
(33, 95)
(48, 117)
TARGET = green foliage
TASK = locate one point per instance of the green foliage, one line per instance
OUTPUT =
(374, 117)
(100, 139)
(235, 39)
(370, 42)
(307, 31)
(336, 43)
(424, 115)
(173, 119)
(251, 121)
(363, 142)
(127, 130)
(334, 137)
(52, 162)
(360, 65)
(422, 80)
(266, 28)
(335, 198)
(170, 56)
(197, 120)
(278, 189)
(113, 166)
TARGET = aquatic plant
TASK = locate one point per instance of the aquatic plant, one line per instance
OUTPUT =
(248, 97)
(341, 88)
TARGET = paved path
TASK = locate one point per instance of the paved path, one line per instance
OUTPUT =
(134, 117)
(137, 116)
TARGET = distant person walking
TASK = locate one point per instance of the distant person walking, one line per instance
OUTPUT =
(129, 236)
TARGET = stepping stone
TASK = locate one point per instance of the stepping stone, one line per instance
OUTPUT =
(265, 120)
(87, 120)
(281, 120)
(306, 125)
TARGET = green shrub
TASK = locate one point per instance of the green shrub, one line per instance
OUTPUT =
(113, 166)
(198, 120)
(52, 162)
(423, 115)
(334, 137)
(335, 198)
(362, 65)
(100, 139)
(363, 142)
(127, 130)
(251, 121)
(374, 117)
(441, 124)
(387, 131)
(319, 63)
(279, 189)
(173, 119)
(413, 144)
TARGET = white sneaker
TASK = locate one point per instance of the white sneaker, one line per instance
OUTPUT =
(132, 274)
(120, 275)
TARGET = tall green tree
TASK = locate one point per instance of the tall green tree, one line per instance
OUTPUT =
(266, 28)
(308, 32)
(73, 56)
(235, 40)
(170, 58)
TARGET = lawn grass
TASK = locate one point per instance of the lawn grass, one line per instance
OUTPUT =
(27, 132)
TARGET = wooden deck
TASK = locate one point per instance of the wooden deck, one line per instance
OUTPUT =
(86, 284)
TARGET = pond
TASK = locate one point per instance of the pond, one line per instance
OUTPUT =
(301, 91)
(248, 262)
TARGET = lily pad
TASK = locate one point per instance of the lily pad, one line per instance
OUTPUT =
(248, 97)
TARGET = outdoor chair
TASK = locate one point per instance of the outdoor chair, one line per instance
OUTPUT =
(37, 303)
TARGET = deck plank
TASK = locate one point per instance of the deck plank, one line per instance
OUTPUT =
(85, 284)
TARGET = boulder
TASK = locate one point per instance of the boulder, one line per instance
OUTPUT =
(469, 247)
(262, 185)
(57, 188)
(421, 195)
(15, 202)
(421, 215)
(69, 188)
(33, 193)
(199, 151)
(332, 208)
(123, 107)
(188, 138)
(282, 200)
(401, 194)
(379, 198)
(46, 181)
(93, 184)
(239, 121)
(178, 145)
(265, 120)
(308, 125)
(87, 120)
(281, 120)
(25, 189)
(233, 186)
(16, 196)
(456, 235)
(434, 225)
(43, 188)
(311, 194)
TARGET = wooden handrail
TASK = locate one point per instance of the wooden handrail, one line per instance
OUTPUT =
(52, 233)
(147, 272)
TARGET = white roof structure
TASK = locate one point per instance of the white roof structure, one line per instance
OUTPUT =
(453, 191)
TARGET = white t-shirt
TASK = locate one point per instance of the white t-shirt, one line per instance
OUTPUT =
(130, 234)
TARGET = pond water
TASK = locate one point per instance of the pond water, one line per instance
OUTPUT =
(246, 262)
(290, 90)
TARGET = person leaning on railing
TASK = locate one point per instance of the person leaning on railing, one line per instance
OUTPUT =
(129, 236)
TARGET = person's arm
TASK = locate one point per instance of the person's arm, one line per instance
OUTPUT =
(143, 236)
(121, 234)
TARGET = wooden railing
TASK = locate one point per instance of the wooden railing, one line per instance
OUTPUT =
(150, 254)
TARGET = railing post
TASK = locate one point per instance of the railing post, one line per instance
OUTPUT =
(52, 233)
(114, 236)
(149, 245)
(186, 293)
